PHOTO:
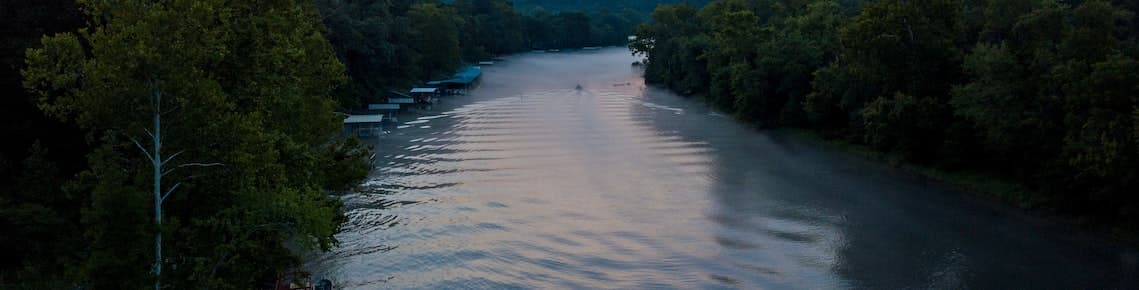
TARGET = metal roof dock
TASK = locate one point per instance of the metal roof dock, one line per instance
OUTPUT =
(363, 119)
(363, 125)
(424, 90)
(460, 82)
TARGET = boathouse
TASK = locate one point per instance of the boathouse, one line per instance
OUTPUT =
(424, 95)
(460, 83)
(363, 125)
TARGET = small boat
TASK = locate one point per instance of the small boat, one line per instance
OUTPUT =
(578, 87)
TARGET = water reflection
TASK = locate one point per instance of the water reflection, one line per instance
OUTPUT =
(531, 183)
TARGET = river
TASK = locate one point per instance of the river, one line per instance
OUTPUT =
(529, 182)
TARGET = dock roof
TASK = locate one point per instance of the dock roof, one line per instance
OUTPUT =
(382, 107)
(463, 77)
(363, 119)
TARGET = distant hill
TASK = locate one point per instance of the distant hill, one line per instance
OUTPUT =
(644, 6)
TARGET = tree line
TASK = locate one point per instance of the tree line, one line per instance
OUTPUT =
(641, 6)
(396, 44)
(1039, 92)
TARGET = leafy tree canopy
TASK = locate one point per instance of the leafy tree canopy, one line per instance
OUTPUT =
(1037, 91)
(245, 86)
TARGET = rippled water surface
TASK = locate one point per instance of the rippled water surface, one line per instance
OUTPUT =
(529, 182)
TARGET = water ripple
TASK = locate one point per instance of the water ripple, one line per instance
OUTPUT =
(529, 183)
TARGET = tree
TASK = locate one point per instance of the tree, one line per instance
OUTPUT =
(735, 34)
(246, 85)
(492, 28)
(661, 41)
(1098, 83)
(1011, 119)
(369, 40)
(436, 38)
(539, 29)
(1035, 91)
(575, 30)
(802, 45)
(895, 47)
(904, 124)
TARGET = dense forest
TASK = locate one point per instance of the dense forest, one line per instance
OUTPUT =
(205, 122)
(193, 143)
(642, 6)
(1042, 93)
(395, 44)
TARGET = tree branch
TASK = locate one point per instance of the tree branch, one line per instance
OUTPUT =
(171, 110)
(144, 151)
(168, 192)
(200, 165)
(168, 171)
(172, 157)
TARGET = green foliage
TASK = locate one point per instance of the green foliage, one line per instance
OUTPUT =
(673, 45)
(436, 39)
(1036, 91)
(903, 46)
(595, 5)
(907, 125)
(754, 59)
(1098, 145)
(372, 39)
(245, 85)
(1005, 114)
(34, 211)
(489, 28)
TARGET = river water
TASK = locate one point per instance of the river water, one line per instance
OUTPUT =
(529, 182)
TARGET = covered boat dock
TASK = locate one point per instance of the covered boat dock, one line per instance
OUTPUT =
(424, 95)
(363, 125)
(460, 83)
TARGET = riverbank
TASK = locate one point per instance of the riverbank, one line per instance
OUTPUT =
(989, 189)
(953, 99)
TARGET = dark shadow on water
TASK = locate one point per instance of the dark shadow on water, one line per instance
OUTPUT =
(866, 225)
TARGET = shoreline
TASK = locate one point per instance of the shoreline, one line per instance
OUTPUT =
(981, 188)
(984, 189)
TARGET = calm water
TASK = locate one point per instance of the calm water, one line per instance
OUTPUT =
(531, 183)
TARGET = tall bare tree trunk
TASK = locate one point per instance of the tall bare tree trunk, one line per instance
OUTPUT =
(157, 162)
